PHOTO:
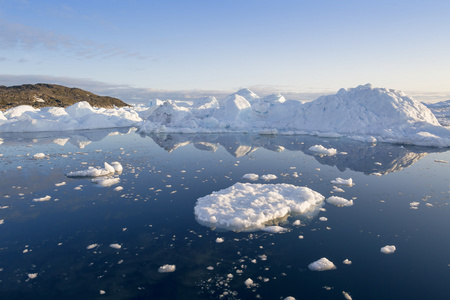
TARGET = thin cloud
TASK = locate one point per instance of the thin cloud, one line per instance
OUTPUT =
(19, 36)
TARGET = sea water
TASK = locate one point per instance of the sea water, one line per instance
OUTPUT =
(87, 241)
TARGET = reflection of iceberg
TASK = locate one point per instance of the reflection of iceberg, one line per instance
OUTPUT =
(351, 154)
(79, 138)
(249, 207)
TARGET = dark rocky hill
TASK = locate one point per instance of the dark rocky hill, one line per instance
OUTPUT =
(45, 95)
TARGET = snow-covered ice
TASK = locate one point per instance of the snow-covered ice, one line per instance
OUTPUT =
(39, 156)
(42, 199)
(274, 229)
(115, 246)
(248, 207)
(322, 264)
(388, 249)
(268, 177)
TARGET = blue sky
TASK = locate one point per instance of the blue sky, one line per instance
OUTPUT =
(279, 45)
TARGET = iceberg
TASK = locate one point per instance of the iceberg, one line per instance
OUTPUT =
(250, 207)
(363, 113)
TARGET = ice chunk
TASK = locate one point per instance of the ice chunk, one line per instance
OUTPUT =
(274, 229)
(117, 167)
(340, 181)
(167, 269)
(248, 206)
(339, 201)
(42, 199)
(319, 149)
(248, 282)
(93, 172)
(39, 156)
(269, 177)
(91, 246)
(388, 249)
(251, 176)
(346, 295)
(32, 275)
(322, 264)
(106, 181)
(219, 240)
(115, 246)
(347, 262)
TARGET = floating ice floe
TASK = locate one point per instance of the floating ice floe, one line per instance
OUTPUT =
(340, 181)
(42, 199)
(347, 262)
(39, 156)
(91, 246)
(219, 240)
(251, 176)
(167, 269)
(96, 172)
(248, 282)
(319, 149)
(339, 201)
(346, 295)
(32, 275)
(106, 181)
(269, 177)
(115, 246)
(388, 249)
(249, 207)
(322, 264)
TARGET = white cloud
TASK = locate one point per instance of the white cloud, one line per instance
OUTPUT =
(22, 37)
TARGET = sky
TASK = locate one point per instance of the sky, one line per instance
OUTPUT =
(305, 47)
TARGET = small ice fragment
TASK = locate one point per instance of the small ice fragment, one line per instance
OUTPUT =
(219, 240)
(2, 221)
(248, 282)
(346, 295)
(251, 176)
(322, 264)
(301, 237)
(337, 190)
(210, 268)
(347, 262)
(106, 181)
(39, 156)
(414, 205)
(46, 198)
(339, 201)
(319, 149)
(323, 219)
(91, 246)
(167, 269)
(115, 246)
(289, 298)
(32, 275)
(119, 188)
(269, 177)
(388, 249)
(441, 161)
(117, 166)
(60, 184)
(262, 257)
(296, 223)
(340, 181)
(274, 229)
(102, 292)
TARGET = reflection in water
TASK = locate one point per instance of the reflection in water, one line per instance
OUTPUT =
(353, 155)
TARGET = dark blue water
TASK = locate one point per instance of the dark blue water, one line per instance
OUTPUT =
(153, 220)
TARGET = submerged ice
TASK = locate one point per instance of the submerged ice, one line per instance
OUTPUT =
(249, 207)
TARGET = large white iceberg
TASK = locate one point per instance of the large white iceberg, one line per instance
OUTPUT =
(363, 113)
(249, 207)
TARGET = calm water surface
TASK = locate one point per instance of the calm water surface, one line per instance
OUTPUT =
(152, 219)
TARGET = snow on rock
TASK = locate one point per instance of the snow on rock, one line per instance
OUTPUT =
(79, 116)
(322, 264)
(93, 172)
(365, 113)
(388, 249)
(167, 269)
(340, 181)
(319, 149)
(339, 201)
(248, 207)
